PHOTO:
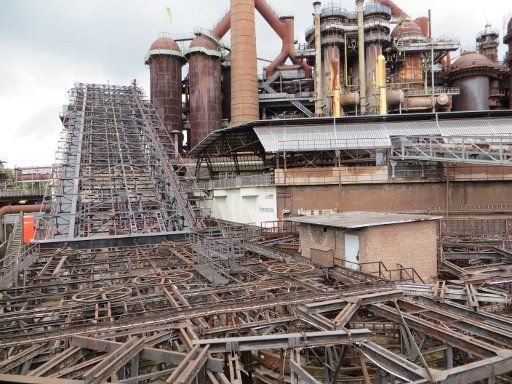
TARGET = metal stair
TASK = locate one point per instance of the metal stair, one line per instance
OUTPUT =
(14, 244)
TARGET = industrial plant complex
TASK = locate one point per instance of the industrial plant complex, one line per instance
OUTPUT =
(340, 214)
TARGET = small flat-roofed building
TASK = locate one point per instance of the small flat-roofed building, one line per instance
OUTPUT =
(360, 240)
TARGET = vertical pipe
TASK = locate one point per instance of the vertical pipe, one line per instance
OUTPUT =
(381, 83)
(432, 57)
(336, 91)
(318, 60)
(362, 74)
(244, 70)
(346, 61)
(430, 23)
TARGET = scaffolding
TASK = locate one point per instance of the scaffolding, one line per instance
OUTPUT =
(118, 173)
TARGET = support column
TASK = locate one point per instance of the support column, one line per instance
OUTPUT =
(361, 47)
(318, 61)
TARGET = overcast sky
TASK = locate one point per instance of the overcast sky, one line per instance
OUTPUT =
(48, 45)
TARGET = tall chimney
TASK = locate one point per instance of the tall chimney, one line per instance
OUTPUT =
(244, 69)
(362, 69)
(318, 61)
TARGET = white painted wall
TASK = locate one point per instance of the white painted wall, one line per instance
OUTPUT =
(248, 205)
(352, 250)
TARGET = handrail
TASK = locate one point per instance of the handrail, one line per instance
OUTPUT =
(384, 273)
(15, 229)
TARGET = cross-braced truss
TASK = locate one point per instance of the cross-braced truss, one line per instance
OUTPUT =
(119, 174)
(150, 313)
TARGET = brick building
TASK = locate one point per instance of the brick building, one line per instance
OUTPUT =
(387, 243)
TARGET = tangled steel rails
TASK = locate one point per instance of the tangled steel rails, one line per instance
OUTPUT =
(143, 313)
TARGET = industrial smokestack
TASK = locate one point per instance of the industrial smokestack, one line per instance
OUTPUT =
(362, 74)
(318, 60)
(244, 70)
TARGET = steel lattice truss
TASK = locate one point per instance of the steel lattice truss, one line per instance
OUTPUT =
(487, 150)
(116, 175)
(150, 313)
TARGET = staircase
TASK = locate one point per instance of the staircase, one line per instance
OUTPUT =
(14, 244)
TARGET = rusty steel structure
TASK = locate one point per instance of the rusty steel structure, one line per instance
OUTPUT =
(110, 293)
(165, 61)
(227, 305)
(507, 39)
(244, 71)
(117, 173)
(205, 88)
(223, 87)
(472, 73)
(130, 279)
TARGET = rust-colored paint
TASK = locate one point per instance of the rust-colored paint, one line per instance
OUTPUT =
(508, 40)
(166, 91)
(244, 71)
(406, 197)
(395, 9)
(424, 23)
(205, 96)
(285, 29)
(472, 73)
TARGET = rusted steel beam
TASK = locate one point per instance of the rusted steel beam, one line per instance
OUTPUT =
(188, 369)
(456, 339)
(285, 341)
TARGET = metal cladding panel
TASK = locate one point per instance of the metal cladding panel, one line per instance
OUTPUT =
(411, 129)
(372, 135)
(321, 137)
(205, 96)
(165, 78)
(474, 94)
(471, 127)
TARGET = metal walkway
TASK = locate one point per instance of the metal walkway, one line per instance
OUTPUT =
(485, 150)
(119, 173)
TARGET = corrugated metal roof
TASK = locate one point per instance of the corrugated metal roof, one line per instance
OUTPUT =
(322, 137)
(372, 135)
(357, 220)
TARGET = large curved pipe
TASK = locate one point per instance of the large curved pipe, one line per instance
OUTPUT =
(9, 209)
(223, 26)
(395, 9)
(285, 29)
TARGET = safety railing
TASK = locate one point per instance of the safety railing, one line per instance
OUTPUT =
(378, 269)
(279, 227)
(239, 181)
(302, 145)
(27, 256)
(10, 253)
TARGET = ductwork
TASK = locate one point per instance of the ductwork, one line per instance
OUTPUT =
(285, 29)
(10, 209)
(395, 9)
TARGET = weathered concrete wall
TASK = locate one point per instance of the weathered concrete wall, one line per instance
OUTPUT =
(412, 245)
(249, 205)
(319, 237)
(405, 197)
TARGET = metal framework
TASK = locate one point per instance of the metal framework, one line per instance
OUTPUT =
(228, 303)
(118, 172)
(143, 313)
(491, 150)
